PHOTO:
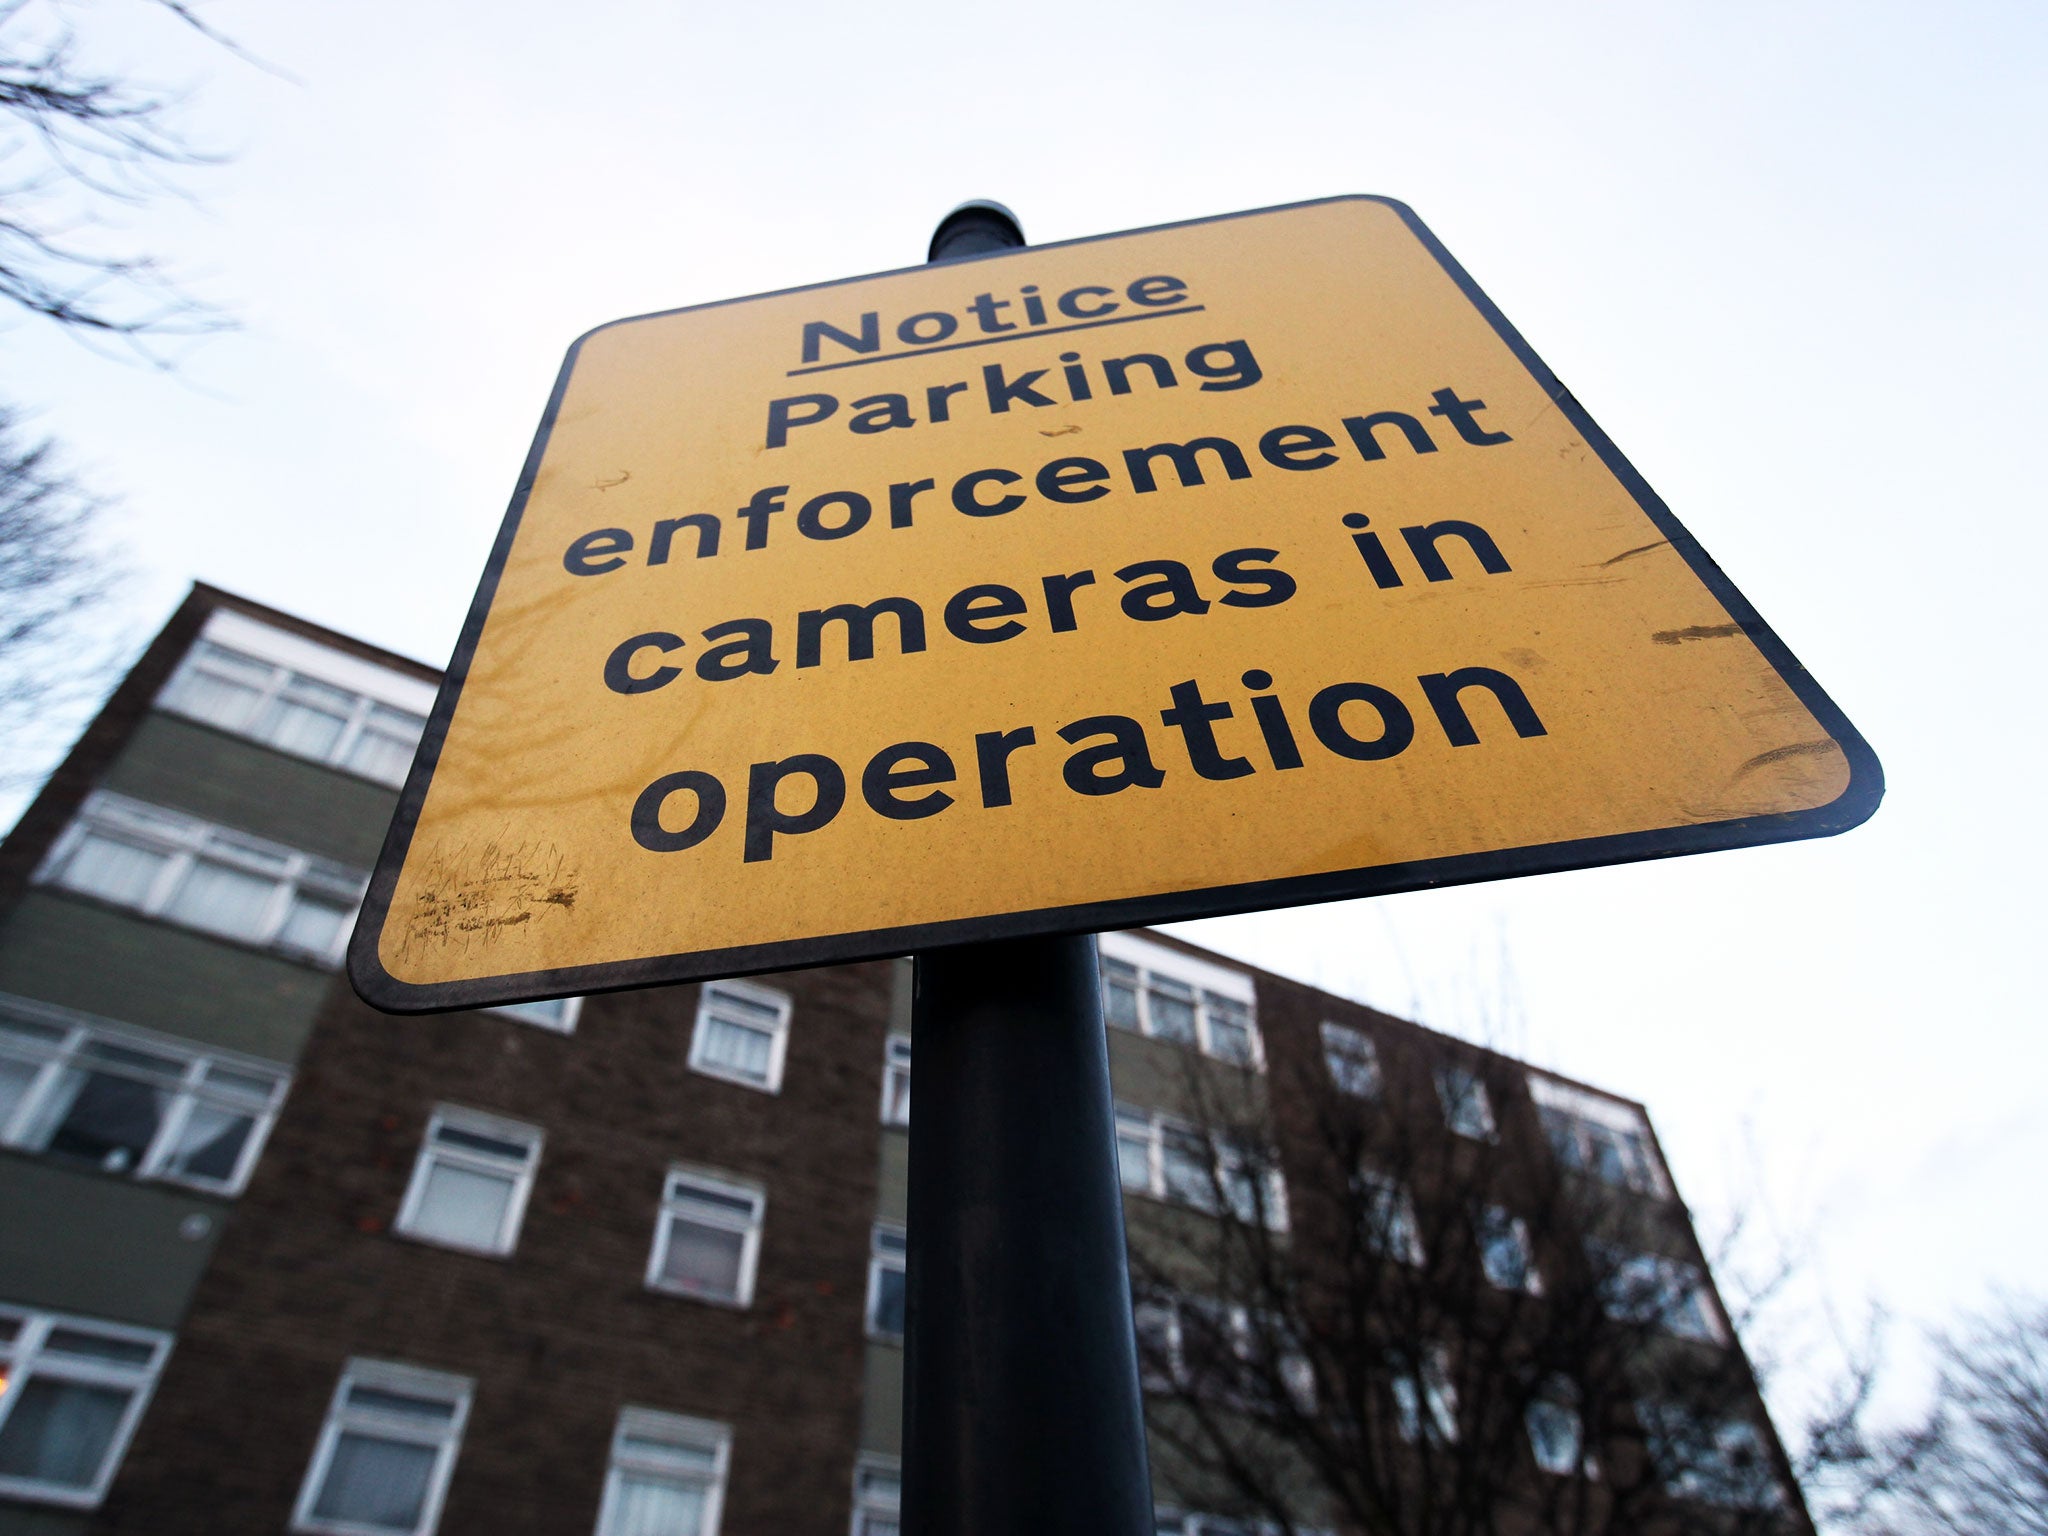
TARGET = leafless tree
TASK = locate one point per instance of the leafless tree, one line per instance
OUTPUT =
(1438, 1334)
(1977, 1463)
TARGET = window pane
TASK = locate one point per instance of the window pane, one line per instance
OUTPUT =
(736, 1048)
(222, 900)
(1186, 1168)
(381, 1483)
(219, 686)
(60, 1431)
(113, 871)
(889, 1293)
(16, 1078)
(652, 1506)
(384, 747)
(1120, 994)
(1134, 1159)
(309, 718)
(1230, 1039)
(1173, 1010)
(437, 1410)
(1554, 1436)
(478, 1141)
(704, 1261)
(104, 1120)
(462, 1206)
(209, 1145)
(550, 1014)
(313, 926)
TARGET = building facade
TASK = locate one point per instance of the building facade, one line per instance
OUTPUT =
(633, 1264)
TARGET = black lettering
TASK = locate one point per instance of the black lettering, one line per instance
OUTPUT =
(707, 536)
(766, 820)
(1070, 303)
(935, 400)
(964, 488)
(1195, 718)
(1362, 428)
(1034, 306)
(1117, 371)
(860, 629)
(971, 608)
(902, 494)
(907, 765)
(1076, 376)
(818, 331)
(1325, 718)
(1126, 757)
(1056, 481)
(1172, 591)
(914, 333)
(1273, 724)
(1138, 461)
(984, 307)
(1372, 552)
(1422, 545)
(1460, 414)
(810, 518)
(755, 513)
(597, 552)
(1234, 566)
(1442, 690)
(618, 675)
(648, 831)
(992, 751)
(1002, 395)
(1059, 598)
(781, 415)
(881, 413)
(752, 649)
(1298, 448)
(1239, 370)
(1157, 292)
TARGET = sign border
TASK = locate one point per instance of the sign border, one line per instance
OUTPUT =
(1851, 808)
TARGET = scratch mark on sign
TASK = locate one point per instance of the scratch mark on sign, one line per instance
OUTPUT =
(602, 484)
(1786, 754)
(475, 894)
(1058, 431)
(1629, 554)
(1696, 632)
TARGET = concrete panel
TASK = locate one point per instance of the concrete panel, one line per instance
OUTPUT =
(881, 1400)
(892, 1201)
(100, 1246)
(77, 954)
(239, 783)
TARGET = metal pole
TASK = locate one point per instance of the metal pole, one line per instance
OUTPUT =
(1022, 1412)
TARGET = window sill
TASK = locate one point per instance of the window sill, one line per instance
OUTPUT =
(771, 1089)
(724, 1303)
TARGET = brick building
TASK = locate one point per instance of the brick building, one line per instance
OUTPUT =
(272, 1261)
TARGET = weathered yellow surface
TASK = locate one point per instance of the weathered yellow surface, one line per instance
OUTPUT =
(1657, 710)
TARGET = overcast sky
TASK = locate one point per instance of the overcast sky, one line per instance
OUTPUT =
(1789, 255)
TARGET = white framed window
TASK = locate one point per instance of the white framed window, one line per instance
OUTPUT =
(125, 1100)
(1557, 1435)
(1467, 1110)
(385, 1453)
(1352, 1059)
(1504, 1251)
(556, 1013)
(1387, 1216)
(877, 1495)
(1425, 1401)
(1721, 1461)
(741, 1035)
(471, 1182)
(896, 1081)
(667, 1476)
(707, 1241)
(1604, 1138)
(71, 1392)
(888, 1281)
(300, 697)
(1168, 1159)
(1653, 1289)
(1219, 1350)
(1162, 993)
(168, 865)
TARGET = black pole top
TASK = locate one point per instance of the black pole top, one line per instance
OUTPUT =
(973, 229)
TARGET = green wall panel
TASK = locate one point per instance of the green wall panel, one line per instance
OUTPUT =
(77, 954)
(239, 783)
(74, 1241)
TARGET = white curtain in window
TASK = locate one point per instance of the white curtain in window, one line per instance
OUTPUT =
(209, 1144)
(643, 1505)
(703, 1259)
(736, 1048)
(460, 1205)
(312, 925)
(222, 900)
(113, 871)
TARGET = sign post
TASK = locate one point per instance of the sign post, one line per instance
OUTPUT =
(1022, 1410)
